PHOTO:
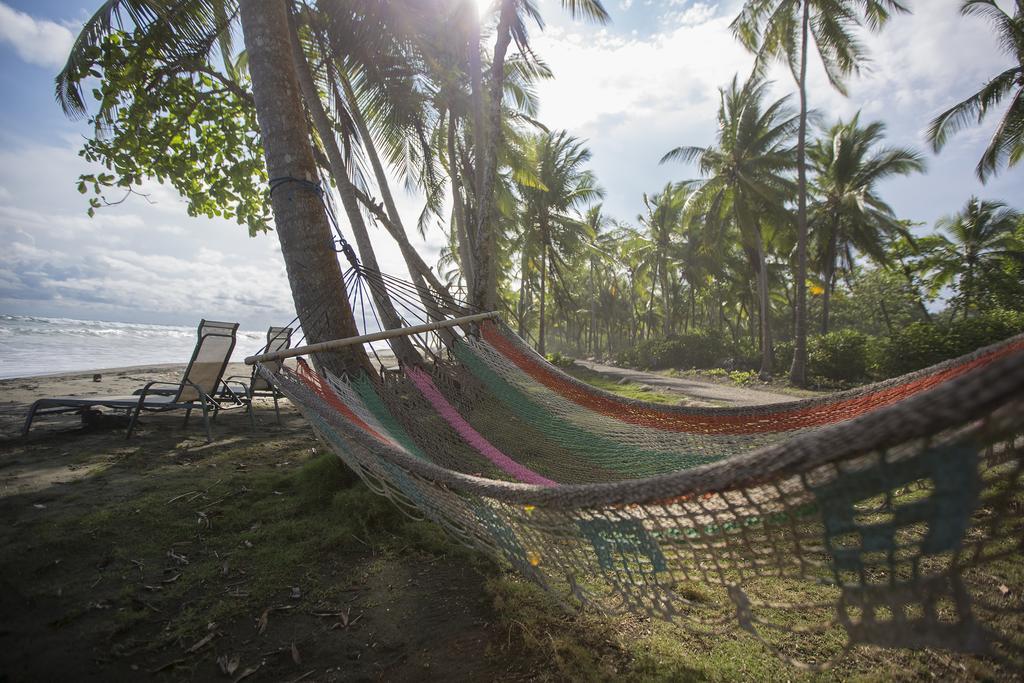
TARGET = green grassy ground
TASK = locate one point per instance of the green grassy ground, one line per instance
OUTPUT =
(627, 389)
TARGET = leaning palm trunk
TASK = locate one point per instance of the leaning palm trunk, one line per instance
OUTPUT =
(486, 287)
(302, 227)
(798, 371)
(459, 218)
(402, 347)
(420, 273)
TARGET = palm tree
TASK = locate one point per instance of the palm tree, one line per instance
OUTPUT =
(848, 214)
(560, 186)
(781, 30)
(512, 25)
(1007, 143)
(301, 221)
(664, 221)
(746, 179)
(975, 239)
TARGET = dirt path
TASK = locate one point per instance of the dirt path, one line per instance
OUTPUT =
(701, 390)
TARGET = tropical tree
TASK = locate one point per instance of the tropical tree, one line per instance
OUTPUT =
(664, 221)
(976, 239)
(848, 215)
(512, 25)
(1006, 147)
(299, 215)
(557, 188)
(178, 42)
(746, 180)
(782, 30)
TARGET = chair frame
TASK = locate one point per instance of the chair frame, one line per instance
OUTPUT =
(249, 390)
(170, 391)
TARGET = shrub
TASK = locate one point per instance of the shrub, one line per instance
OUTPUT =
(782, 356)
(705, 349)
(840, 355)
(919, 345)
(913, 347)
(560, 361)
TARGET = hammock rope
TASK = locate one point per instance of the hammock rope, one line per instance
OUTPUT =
(865, 509)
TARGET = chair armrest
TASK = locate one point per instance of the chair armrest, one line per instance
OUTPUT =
(148, 390)
(241, 389)
(159, 392)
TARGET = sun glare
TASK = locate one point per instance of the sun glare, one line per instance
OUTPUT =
(484, 7)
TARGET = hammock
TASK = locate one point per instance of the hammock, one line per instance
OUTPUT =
(860, 514)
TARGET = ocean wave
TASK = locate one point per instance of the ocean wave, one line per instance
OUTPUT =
(34, 345)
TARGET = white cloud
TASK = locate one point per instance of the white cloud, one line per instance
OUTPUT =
(635, 97)
(37, 41)
(141, 261)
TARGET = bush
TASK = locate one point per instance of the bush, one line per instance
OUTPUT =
(706, 349)
(919, 345)
(840, 355)
(782, 356)
(913, 347)
(560, 361)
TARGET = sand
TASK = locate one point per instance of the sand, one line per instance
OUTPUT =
(16, 394)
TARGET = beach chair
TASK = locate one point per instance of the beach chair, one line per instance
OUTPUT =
(199, 385)
(278, 339)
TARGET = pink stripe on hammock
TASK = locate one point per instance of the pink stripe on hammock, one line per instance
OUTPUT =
(469, 435)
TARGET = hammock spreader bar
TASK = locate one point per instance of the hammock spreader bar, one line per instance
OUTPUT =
(372, 337)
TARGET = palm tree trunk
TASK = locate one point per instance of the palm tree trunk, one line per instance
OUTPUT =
(593, 309)
(830, 274)
(543, 283)
(419, 271)
(314, 274)
(666, 300)
(487, 234)
(459, 207)
(403, 348)
(523, 287)
(763, 296)
(798, 371)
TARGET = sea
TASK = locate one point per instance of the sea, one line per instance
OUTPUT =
(32, 345)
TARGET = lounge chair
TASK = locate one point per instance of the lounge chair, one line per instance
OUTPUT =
(278, 339)
(198, 386)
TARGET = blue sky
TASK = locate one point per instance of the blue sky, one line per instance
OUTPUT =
(634, 89)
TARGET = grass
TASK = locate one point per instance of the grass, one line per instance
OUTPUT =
(627, 389)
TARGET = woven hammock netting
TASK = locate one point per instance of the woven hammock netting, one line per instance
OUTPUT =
(888, 515)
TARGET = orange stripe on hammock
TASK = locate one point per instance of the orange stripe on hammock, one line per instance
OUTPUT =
(780, 421)
(319, 385)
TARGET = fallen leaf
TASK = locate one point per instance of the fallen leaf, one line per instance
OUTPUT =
(248, 672)
(295, 655)
(177, 557)
(228, 664)
(203, 641)
(1004, 590)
